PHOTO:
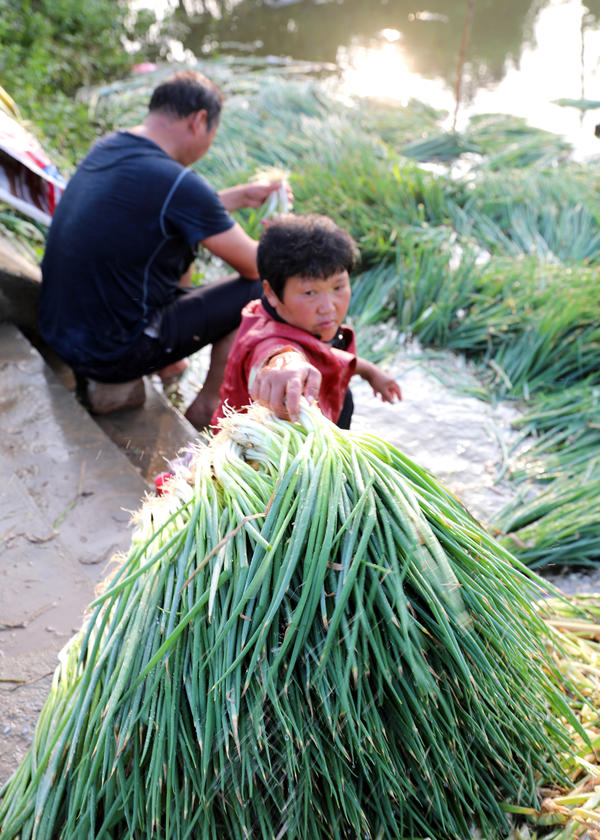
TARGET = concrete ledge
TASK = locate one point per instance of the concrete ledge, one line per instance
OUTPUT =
(65, 500)
(20, 281)
(149, 435)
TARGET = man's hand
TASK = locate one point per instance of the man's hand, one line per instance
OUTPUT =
(250, 195)
(281, 382)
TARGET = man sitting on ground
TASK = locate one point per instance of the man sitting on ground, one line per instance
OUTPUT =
(114, 302)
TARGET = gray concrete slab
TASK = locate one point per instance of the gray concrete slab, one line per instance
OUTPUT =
(66, 497)
(151, 435)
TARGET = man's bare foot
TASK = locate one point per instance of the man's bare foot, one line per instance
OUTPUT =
(200, 412)
(173, 371)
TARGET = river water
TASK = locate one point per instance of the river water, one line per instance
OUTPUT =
(517, 57)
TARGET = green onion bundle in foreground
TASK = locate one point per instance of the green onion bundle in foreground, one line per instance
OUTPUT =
(310, 638)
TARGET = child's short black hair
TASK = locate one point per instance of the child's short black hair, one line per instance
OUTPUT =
(309, 246)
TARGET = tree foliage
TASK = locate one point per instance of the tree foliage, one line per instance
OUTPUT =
(51, 48)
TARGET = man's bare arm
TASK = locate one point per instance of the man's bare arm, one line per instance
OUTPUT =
(247, 195)
(236, 248)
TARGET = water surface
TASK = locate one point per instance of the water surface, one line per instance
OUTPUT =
(510, 56)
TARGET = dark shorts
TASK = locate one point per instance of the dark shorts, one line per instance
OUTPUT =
(345, 418)
(196, 317)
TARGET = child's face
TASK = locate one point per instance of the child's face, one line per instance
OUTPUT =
(315, 304)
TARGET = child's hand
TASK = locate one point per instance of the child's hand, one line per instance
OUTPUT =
(383, 385)
(386, 387)
(281, 382)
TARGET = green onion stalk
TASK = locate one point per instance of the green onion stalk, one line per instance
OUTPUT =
(277, 203)
(309, 638)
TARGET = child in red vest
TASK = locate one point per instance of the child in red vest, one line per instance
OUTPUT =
(292, 342)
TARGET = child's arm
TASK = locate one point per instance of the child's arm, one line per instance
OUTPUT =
(282, 380)
(382, 384)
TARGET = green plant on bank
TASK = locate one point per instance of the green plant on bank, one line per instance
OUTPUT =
(559, 525)
(552, 213)
(536, 326)
(309, 637)
(559, 434)
(424, 292)
(509, 143)
(27, 236)
(556, 463)
(52, 48)
(376, 197)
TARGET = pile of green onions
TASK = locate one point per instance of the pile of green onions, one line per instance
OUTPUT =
(310, 638)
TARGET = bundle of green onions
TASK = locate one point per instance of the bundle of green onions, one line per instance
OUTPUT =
(276, 204)
(310, 638)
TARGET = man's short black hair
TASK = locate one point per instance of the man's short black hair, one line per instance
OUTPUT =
(308, 246)
(186, 92)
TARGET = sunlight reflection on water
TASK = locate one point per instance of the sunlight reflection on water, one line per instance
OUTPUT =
(562, 63)
(558, 61)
